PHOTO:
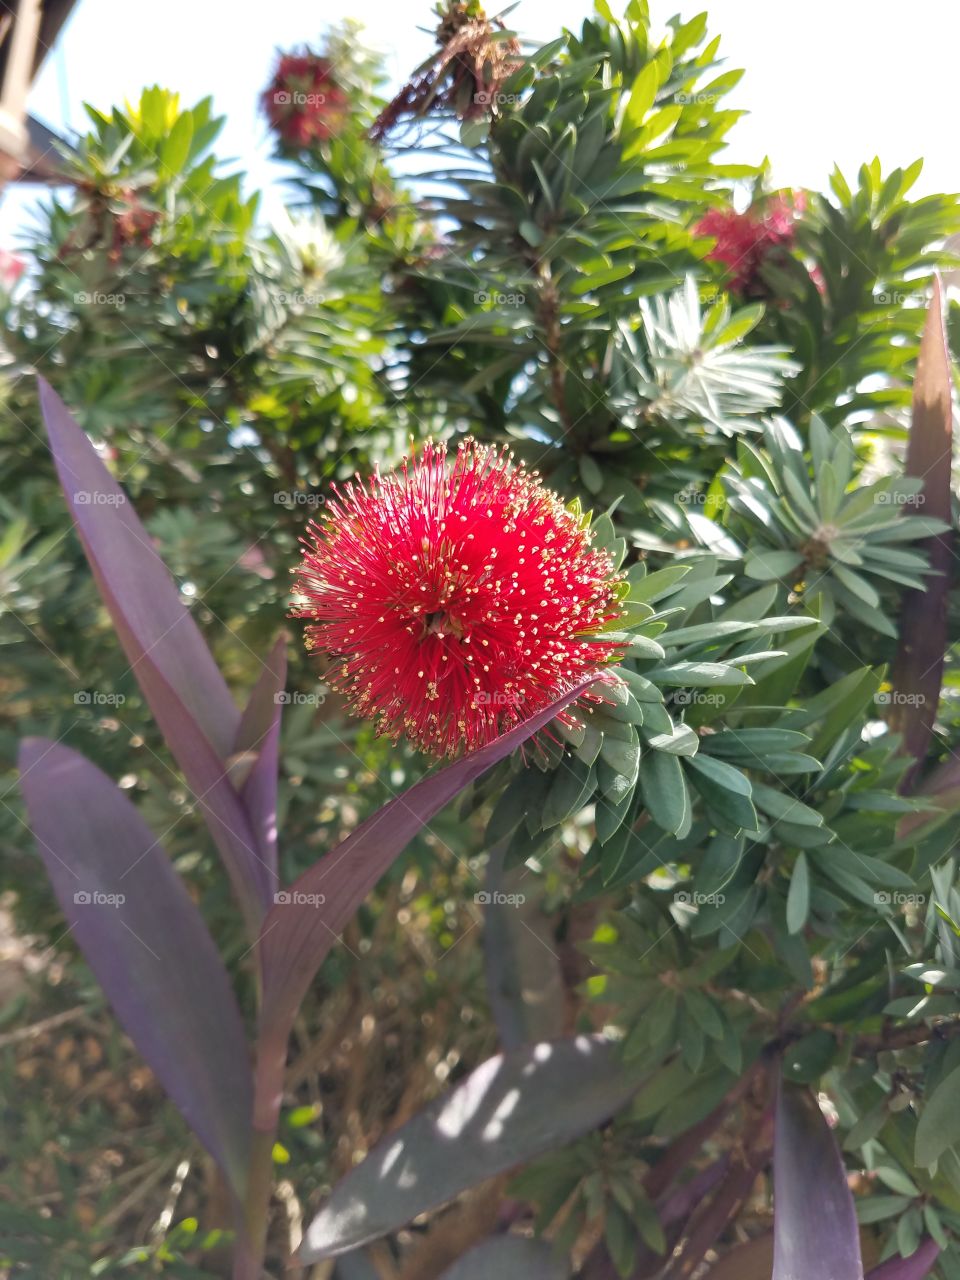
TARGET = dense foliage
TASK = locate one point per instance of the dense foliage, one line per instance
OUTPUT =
(742, 863)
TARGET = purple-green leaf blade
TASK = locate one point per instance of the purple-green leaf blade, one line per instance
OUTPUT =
(922, 642)
(146, 942)
(815, 1226)
(509, 1110)
(298, 932)
(167, 654)
(916, 1267)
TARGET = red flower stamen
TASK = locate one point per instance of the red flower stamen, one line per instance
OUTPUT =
(455, 601)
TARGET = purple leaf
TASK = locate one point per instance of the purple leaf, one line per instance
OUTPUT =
(146, 943)
(815, 1228)
(916, 1267)
(174, 668)
(918, 667)
(299, 931)
(258, 742)
(512, 1108)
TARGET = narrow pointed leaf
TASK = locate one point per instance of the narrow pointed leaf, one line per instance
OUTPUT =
(524, 974)
(174, 668)
(146, 943)
(814, 1223)
(137, 583)
(916, 1267)
(298, 932)
(918, 668)
(511, 1109)
(258, 738)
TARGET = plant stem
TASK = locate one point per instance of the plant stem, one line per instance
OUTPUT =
(268, 1096)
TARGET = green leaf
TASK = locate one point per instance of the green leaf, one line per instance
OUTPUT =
(810, 1057)
(664, 791)
(643, 92)
(176, 146)
(939, 1125)
(798, 897)
(725, 789)
(778, 804)
(573, 784)
(699, 674)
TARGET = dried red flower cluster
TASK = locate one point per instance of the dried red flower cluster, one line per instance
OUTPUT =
(304, 103)
(472, 60)
(745, 241)
(456, 600)
(132, 226)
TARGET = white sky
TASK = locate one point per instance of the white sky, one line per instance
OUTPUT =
(827, 80)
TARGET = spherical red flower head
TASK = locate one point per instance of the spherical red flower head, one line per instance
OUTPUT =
(303, 102)
(456, 600)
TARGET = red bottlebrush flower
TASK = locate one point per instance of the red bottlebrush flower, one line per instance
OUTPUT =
(303, 102)
(745, 241)
(456, 601)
